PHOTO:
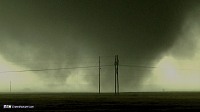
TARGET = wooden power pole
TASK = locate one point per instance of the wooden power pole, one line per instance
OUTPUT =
(99, 75)
(10, 86)
(116, 75)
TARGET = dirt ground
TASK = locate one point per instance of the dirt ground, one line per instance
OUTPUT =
(137, 101)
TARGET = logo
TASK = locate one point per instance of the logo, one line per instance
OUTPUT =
(6, 106)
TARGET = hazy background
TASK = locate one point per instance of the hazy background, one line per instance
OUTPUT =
(42, 34)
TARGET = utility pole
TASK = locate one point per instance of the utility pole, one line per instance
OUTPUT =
(10, 86)
(99, 75)
(116, 74)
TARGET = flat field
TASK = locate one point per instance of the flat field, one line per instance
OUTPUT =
(137, 101)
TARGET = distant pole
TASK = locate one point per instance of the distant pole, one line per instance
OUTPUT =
(99, 75)
(10, 86)
(117, 64)
(115, 73)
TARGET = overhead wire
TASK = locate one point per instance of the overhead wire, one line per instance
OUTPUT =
(51, 69)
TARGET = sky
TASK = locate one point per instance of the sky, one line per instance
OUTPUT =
(52, 34)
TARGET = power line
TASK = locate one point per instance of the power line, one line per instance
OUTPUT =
(38, 70)
(105, 65)
(138, 66)
(51, 69)
(152, 67)
(68, 57)
(82, 67)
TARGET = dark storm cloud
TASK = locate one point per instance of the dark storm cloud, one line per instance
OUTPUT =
(53, 34)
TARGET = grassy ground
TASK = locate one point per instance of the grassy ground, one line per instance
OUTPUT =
(147, 101)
